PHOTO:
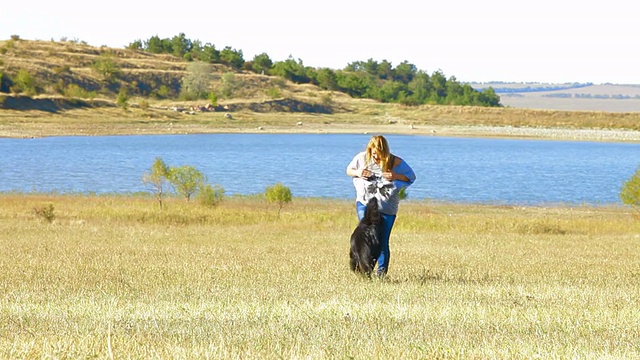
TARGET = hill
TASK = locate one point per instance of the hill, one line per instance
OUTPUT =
(57, 66)
(76, 98)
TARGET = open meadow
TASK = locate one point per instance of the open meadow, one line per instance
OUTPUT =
(116, 277)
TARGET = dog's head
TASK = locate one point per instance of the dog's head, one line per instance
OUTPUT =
(379, 187)
(372, 212)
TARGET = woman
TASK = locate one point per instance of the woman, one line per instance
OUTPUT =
(376, 172)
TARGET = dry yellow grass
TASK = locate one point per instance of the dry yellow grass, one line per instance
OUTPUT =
(115, 277)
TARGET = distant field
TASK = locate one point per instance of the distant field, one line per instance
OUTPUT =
(587, 98)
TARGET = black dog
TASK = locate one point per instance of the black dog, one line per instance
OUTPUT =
(365, 240)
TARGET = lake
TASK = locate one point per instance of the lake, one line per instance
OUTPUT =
(477, 170)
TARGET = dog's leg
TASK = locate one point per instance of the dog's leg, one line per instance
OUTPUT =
(365, 262)
(353, 261)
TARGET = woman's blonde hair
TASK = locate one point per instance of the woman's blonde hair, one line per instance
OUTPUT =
(379, 145)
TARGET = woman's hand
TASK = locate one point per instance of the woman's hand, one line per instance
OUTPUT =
(394, 176)
(365, 173)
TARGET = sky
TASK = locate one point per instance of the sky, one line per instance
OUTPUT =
(542, 41)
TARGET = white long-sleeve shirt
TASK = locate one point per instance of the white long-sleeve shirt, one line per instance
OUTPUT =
(377, 186)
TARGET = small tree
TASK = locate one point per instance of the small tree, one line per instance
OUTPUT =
(24, 82)
(162, 92)
(210, 195)
(123, 98)
(278, 194)
(230, 84)
(196, 83)
(186, 180)
(630, 192)
(262, 63)
(157, 178)
(232, 57)
(213, 99)
(327, 79)
(106, 67)
(274, 92)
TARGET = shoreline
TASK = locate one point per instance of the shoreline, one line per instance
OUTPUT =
(464, 131)
(479, 131)
(566, 134)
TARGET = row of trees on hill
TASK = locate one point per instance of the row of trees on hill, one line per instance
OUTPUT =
(372, 79)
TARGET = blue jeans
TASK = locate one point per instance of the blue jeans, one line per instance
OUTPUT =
(387, 225)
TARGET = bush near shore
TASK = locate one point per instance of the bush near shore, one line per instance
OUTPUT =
(115, 276)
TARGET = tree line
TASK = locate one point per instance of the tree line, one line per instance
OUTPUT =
(372, 79)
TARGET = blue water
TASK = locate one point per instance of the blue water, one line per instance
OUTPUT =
(313, 165)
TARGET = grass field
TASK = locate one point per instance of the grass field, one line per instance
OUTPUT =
(115, 277)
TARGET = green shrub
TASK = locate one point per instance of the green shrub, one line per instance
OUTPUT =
(279, 82)
(630, 192)
(24, 82)
(163, 92)
(106, 67)
(210, 195)
(274, 92)
(123, 98)
(45, 212)
(230, 84)
(74, 90)
(213, 99)
(188, 96)
(144, 105)
(64, 69)
(327, 99)
(402, 194)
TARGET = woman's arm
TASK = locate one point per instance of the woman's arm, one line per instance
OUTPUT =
(400, 171)
(396, 176)
(355, 168)
(354, 172)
